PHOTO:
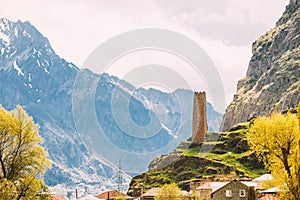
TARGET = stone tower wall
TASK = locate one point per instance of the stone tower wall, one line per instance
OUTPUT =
(199, 117)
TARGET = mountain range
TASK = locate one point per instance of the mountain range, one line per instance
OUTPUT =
(92, 124)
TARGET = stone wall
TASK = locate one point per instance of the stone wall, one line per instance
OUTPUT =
(199, 117)
(234, 188)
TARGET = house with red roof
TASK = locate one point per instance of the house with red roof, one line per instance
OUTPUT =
(112, 195)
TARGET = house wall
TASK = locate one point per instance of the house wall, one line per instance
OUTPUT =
(204, 194)
(235, 187)
(194, 185)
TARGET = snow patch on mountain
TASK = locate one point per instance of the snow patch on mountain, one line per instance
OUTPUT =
(4, 38)
(169, 131)
(18, 69)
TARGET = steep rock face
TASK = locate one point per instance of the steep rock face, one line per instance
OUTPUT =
(272, 82)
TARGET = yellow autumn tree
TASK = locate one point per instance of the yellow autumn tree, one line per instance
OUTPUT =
(298, 112)
(7, 189)
(23, 160)
(169, 192)
(276, 141)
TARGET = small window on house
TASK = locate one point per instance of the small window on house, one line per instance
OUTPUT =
(242, 193)
(228, 193)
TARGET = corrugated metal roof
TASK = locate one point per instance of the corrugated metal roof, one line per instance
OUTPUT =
(264, 177)
(88, 197)
(152, 192)
(212, 186)
(271, 190)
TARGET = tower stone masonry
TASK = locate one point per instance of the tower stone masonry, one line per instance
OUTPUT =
(199, 128)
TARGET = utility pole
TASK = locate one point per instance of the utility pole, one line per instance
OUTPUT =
(120, 177)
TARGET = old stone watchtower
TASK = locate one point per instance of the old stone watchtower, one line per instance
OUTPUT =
(199, 128)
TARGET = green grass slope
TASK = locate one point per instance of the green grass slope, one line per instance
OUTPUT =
(223, 155)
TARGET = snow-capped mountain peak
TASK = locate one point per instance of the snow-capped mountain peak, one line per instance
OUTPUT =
(34, 76)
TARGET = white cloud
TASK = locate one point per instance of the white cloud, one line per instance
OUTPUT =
(224, 28)
(234, 21)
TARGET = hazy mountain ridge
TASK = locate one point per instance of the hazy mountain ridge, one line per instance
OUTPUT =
(272, 82)
(33, 76)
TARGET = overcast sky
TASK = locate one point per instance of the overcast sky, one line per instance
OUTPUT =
(225, 29)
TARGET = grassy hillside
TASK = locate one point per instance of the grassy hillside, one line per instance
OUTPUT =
(224, 155)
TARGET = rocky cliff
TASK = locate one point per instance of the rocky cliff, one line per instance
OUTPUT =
(272, 82)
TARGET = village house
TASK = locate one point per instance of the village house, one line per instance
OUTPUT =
(150, 194)
(113, 194)
(235, 190)
(227, 190)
